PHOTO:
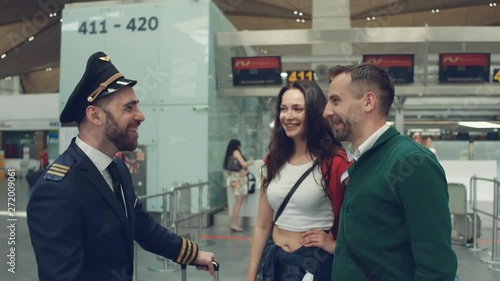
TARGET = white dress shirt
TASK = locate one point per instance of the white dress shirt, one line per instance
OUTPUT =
(365, 146)
(100, 160)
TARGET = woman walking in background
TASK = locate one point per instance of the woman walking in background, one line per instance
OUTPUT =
(236, 166)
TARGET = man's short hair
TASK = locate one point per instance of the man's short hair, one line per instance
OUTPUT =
(368, 77)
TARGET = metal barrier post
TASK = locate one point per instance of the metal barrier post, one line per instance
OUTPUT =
(494, 245)
(493, 260)
(204, 212)
(167, 265)
(472, 182)
(164, 212)
(474, 216)
(135, 278)
(174, 209)
(189, 211)
(200, 189)
(164, 215)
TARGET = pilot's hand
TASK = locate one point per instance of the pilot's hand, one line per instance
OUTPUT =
(204, 261)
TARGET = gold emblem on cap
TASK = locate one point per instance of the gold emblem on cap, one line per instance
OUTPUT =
(92, 97)
(106, 58)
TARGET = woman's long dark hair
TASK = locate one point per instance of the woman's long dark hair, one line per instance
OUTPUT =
(233, 145)
(320, 140)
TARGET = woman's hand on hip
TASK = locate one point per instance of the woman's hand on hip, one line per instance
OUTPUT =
(320, 239)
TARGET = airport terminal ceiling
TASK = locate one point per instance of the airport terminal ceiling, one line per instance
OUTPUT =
(31, 50)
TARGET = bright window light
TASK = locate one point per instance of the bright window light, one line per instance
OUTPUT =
(479, 125)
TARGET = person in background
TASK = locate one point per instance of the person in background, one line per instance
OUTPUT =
(303, 237)
(395, 222)
(44, 158)
(428, 144)
(417, 137)
(83, 213)
(236, 166)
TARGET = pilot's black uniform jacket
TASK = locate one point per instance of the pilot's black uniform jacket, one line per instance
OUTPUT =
(80, 232)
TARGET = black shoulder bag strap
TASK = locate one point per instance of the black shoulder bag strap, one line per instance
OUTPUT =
(367, 271)
(290, 193)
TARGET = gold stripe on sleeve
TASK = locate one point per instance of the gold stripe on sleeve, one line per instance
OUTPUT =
(186, 253)
(193, 253)
(181, 253)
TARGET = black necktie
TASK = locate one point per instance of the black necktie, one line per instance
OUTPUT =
(115, 176)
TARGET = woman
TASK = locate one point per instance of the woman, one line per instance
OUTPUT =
(303, 236)
(236, 166)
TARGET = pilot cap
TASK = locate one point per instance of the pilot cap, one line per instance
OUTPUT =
(100, 79)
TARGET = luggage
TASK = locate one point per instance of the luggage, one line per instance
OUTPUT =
(465, 224)
(216, 267)
(250, 183)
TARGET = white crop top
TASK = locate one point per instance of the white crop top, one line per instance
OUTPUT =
(309, 207)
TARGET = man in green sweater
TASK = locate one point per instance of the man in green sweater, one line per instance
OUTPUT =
(395, 222)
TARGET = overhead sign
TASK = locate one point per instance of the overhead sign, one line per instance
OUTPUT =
(252, 71)
(496, 75)
(399, 67)
(464, 68)
(294, 75)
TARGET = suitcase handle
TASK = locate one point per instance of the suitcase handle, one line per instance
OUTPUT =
(216, 268)
(215, 264)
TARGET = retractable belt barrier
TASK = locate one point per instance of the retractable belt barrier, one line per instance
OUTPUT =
(494, 263)
(173, 214)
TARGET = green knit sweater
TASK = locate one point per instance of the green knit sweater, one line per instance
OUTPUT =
(395, 215)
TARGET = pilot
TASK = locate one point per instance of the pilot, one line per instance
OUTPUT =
(83, 214)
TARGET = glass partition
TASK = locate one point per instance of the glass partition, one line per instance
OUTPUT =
(488, 150)
(452, 150)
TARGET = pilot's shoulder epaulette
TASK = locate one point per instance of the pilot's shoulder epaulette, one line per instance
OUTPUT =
(59, 168)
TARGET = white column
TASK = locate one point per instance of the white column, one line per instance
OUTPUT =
(330, 14)
(10, 86)
(399, 115)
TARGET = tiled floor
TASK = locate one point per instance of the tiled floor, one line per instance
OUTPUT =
(232, 250)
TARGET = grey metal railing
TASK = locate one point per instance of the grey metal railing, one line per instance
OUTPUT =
(495, 260)
(172, 216)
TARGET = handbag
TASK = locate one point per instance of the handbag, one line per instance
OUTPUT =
(233, 165)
